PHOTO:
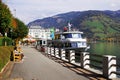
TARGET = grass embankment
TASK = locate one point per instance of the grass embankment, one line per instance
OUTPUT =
(5, 52)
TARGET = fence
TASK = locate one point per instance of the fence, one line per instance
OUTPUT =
(106, 63)
(117, 65)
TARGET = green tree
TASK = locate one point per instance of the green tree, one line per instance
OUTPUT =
(20, 31)
(5, 18)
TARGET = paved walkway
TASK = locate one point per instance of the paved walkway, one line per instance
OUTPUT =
(36, 66)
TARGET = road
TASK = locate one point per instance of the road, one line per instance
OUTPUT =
(36, 66)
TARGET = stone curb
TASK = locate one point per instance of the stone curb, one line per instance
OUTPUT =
(6, 71)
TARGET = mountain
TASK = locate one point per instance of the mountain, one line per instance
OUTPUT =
(57, 21)
(95, 24)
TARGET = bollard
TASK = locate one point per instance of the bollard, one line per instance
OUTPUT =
(72, 56)
(62, 54)
(52, 51)
(108, 66)
(48, 50)
(85, 59)
(57, 52)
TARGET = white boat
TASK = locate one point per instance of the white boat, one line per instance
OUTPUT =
(69, 40)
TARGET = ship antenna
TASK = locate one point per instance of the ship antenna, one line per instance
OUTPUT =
(69, 26)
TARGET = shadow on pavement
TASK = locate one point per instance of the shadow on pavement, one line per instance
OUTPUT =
(83, 72)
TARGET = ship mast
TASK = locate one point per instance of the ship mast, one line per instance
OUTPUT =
(69, 26)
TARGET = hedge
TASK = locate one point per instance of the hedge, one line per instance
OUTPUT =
(7, 40)
(5, 53)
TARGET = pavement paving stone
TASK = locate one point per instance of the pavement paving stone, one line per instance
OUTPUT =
(37, 66)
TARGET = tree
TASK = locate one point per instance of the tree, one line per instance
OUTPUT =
(20, 31)
(5, 18)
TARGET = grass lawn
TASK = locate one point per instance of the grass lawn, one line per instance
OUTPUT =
(0, 41)
(5, 52)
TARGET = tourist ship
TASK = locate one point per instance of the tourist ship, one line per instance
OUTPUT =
(69, 39)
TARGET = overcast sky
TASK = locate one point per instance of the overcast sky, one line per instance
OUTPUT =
(30, 10)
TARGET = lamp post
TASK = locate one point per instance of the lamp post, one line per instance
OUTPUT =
(5, 35)
(11, 35)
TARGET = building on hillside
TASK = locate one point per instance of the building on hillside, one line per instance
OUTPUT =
(38, 32)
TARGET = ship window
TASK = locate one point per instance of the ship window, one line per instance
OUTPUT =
(62, 36)
(83, 35)
(67, 44)
(79, 44)
(84, 43)
(40, 42)
(76, 35)
(79, 35)
(74, 44)
(43, 42)
(67, 35)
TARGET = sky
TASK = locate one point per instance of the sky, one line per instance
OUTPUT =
(30, 10)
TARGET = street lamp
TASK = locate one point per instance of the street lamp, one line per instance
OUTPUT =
(11, 33)
(11, 30)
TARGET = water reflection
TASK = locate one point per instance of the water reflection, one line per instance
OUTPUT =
(103, 48)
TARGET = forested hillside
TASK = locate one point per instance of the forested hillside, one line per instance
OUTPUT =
(95, 24)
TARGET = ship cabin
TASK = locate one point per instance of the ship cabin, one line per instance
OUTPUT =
(69, 40)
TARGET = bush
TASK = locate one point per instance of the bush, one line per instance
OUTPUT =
(5, 52)
(1, 41)
(7, 40)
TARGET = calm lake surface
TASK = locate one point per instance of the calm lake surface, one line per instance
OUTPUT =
(105, 48)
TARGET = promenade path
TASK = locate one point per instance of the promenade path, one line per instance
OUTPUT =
(36, 66)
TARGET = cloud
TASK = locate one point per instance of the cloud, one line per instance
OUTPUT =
(28, 10)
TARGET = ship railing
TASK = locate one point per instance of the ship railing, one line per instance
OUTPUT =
(104, 64)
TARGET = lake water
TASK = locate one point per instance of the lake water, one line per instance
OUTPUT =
(104, 48)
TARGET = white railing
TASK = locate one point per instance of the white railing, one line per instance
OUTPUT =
(108, 62)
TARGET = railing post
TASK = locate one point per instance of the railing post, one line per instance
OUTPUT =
(108, 66)
(57, 52)
(52, 51)
(85, 59)
(62, 54)
(48, 50)
(72, 56)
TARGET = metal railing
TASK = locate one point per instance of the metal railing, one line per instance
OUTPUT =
(117, 66)
(96, 61)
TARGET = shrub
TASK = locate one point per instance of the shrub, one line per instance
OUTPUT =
(7, 40)
(5, 52)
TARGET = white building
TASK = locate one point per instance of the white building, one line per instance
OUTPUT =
(38, 32)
